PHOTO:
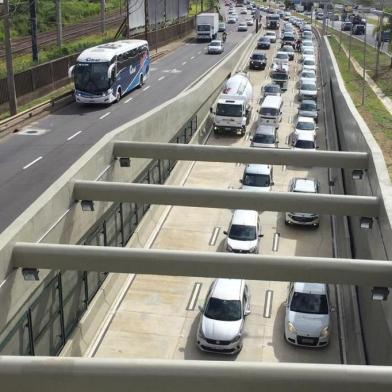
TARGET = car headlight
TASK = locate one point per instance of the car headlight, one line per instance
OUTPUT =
(324, 332)
(237, 338)
(229, 248)
(291, 327)
(110, 91)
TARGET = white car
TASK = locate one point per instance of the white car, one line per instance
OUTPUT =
(257, 177)
(307, 76)
(244, 11)
(303, 185)
(223, 317)
(249, 22)
(305, 124)
(242, 26)
(307, 43)
(232, 19)
(303, 140)
(308, 51)
(271, 35)
(281, 58)
(307, 321)
(215, 47)
(309, 62)
(308, 90)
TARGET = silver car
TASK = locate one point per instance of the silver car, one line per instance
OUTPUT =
(308, 108)
(303, 185)
(265, 137)
(223, 317)
(308, 90)
(307, 321)
(215, 47)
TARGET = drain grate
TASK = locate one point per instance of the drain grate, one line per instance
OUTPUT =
(33, 131)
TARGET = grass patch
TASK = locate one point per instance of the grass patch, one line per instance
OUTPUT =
(195, 6)
(378, 119)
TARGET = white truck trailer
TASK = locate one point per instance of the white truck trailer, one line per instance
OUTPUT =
(207, 26)
(233, 109)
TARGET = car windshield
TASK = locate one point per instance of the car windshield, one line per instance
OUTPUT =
(272, 89)
(304, 144)
(223, 310)
(215, 44)
(264, 39)
(307, 43)
(262, 138)
(258, 57)
(309, 303)
(269, 111)
(278, 75)
(308, 87)
(261, 180)
(282, 56)
(227, 109)
(309, 62)
(243, 233)
(92, 77)
(307, 106)
(308, 75)
(203, 28)
(270, 34)
(305, 125)
(288, 38)
(288, 49)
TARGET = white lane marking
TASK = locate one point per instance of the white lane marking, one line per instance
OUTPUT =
(275, 242)
(128, 100)
(269, 294)
(184, 63)
(195, 294)
(31, 163)
(192, 57)
(146, 88)
(74, 135)
(214, 236)
(199, 52)
(105, 115)
(161, 78)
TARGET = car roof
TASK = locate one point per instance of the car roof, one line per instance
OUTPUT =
(259, 52)
(266, 129)
(305, 119)
(245, 217)
(229, 289)
(270, 85)
(216, 40)
(310, 288)
(305, 135)
(257, 168)
(307, 185)
(309, 101)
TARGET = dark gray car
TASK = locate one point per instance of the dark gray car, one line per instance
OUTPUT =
(308, 108)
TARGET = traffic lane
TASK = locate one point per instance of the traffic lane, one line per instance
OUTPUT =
(56, 159)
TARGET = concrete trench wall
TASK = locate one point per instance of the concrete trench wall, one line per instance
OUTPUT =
(354, 135)
(56, 218)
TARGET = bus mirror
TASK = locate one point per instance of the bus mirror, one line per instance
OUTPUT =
(110, 70)
(70, 71)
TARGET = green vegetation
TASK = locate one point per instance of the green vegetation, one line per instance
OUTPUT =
(378, 119)
(24, 62)
(73, 11)
(196, 6)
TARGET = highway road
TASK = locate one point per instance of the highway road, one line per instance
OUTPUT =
(33, 159)
(158, 316)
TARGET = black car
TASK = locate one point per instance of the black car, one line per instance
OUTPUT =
(263, 43)
(258, 60)
(359, 29)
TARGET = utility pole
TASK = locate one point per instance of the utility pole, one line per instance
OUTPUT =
(8, 57)
(146, 19)
(103, 16)
(364, 67)
(59, 23)
(379, 39)
(33, 27)
(127, 15)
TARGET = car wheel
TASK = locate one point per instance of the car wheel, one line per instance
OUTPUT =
(118, 95)
(286, 222)
(141, 81)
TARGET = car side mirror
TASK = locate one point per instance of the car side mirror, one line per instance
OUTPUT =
(332, 309)
(201, 309)
(211, 110)
(317, 128)
(272, 183)
(317, 147)
(241, 181)
(251, 138)
(246, 312)
(261, 235)
(225, 232)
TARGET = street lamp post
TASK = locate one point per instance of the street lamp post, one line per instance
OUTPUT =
(364, 66)
(379, 40)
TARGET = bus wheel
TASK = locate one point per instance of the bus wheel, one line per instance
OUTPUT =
(141, 81)
(118, 95)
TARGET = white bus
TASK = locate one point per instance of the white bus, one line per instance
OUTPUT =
(104, 73)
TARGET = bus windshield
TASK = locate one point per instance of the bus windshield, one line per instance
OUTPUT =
(92, 77)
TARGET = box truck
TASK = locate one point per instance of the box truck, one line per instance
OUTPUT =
(207, 26)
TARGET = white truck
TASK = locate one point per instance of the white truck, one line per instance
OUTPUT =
(207, 26)
(299, 8)
(233, 109)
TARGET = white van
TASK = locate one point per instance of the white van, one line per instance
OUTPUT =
(270, 112)
(257, 177)
(244, 232)
(265, 136)
(223, 317)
